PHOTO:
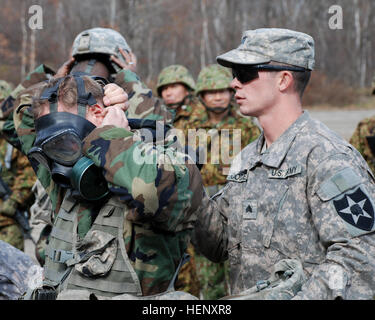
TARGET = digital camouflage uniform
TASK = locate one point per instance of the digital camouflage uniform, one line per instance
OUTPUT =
(187, 279)
(160, 213)
(18, 175)
(213, 276)
(15, 272)
(290, 202)
(309, 196)
(365, 128)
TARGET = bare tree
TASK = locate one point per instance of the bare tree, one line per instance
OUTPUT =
(24, 41)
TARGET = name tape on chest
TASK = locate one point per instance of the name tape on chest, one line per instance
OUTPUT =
(285, 173)
(238, 177)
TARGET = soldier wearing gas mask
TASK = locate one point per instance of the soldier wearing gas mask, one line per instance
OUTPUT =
(122, 211)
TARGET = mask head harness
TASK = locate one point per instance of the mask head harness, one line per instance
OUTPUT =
(59, 141)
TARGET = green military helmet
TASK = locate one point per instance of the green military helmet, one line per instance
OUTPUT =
(175, 74)
(213, 77)
(5, 89)
(100, 41)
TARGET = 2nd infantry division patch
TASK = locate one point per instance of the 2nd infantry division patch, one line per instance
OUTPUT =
(357, 210)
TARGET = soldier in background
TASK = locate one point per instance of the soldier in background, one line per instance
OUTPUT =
(363, 137)
(362, 140)
(214, 111)
(17, 175)
(176, 87)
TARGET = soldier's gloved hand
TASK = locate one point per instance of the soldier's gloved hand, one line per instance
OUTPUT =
(8, 207)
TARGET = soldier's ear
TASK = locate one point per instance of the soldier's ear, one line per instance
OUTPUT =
(285, 81)
(95, 114)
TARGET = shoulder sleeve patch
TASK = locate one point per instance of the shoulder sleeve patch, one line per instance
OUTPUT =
(337, 184)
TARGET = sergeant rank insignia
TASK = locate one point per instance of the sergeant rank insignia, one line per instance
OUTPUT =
(357, 210)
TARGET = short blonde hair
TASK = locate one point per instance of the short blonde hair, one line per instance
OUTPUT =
(66, 94)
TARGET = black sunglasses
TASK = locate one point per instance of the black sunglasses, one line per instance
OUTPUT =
(248, 73)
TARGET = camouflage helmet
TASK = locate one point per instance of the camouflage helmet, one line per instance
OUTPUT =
(100, 41)
(175, 74)
(5, 89)
(213, 77)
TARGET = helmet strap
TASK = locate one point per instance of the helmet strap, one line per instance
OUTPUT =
(178, 105)
(90, 65)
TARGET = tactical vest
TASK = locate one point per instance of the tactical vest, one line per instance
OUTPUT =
(100, 264)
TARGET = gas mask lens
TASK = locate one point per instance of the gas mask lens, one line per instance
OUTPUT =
(65, 148)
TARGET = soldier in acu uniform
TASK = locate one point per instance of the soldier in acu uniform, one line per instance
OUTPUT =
(297, 192)
(16, 272)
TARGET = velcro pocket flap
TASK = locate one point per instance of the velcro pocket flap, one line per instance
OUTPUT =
(342, 181)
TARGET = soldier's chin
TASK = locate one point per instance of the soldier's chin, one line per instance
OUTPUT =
(246, 111)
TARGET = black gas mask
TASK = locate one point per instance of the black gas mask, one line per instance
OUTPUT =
(58, 146)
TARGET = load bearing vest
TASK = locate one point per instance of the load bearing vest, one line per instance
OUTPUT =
(69, 268)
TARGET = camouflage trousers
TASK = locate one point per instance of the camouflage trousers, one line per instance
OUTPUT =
(187, 277)
(12, 234)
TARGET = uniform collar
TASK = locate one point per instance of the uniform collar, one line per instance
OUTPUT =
(183, 111)
(275, 154)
